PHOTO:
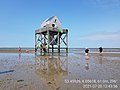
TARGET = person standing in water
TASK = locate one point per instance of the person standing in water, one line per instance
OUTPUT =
(86, 51)
(19, 49)
(100, 49)
(86, 59)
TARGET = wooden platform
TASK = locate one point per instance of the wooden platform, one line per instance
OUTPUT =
(53, 30)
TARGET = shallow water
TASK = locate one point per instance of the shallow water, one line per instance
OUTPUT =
(58, 72)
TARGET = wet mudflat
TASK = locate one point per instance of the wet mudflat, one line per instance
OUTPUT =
(72, 71)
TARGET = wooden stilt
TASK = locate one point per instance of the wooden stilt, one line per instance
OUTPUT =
(48, 39)
(67, 41)
(52, 48)
(35, 44)
(58, 42)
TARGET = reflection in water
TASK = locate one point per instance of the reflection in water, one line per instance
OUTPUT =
(19, 56)
(100, 58)
(86, 62)
(51, 69)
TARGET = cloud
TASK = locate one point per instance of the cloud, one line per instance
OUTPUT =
(104, 39)
(108, 36)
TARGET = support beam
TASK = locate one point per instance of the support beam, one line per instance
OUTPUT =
(67, 41)
(58, 42)
(48, 39)
(35, 44)
(52, 48)
(41, 43)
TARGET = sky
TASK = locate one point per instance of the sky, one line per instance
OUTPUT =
(91, 23)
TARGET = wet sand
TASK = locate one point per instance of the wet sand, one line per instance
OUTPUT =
(72, 71)
(16, 51)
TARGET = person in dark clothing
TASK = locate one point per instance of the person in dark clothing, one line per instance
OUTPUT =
(86, 51)
(44, 49)
(100, 49)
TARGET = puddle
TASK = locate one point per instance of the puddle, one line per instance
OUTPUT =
(4, 72)
(20, 80)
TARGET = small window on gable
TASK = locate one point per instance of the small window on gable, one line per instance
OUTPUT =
(55, 20)
(53, 25)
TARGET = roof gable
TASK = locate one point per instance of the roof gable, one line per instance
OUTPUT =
(50, 21)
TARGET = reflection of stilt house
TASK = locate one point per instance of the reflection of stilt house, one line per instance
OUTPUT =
(51, 69)
(51, 36)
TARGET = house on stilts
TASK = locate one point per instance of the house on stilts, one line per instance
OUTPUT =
(51, 36)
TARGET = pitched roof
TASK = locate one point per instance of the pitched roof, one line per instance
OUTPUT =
(50, 18)
(49, 22)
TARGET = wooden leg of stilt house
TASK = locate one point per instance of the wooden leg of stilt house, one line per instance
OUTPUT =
(66, 50)
(41, 50)
(67, 41)
(48, 40)
(58, 42)
(35, 44)
(58, 49)
(52, 48)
